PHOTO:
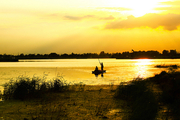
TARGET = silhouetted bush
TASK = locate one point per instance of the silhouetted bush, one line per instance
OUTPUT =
(27, 88)
(169, 83)
(142, 102)
(143, 99)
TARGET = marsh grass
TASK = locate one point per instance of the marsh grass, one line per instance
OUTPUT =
(157, 97)
(169, 83)
(140, 100)
(27, 88)
(36, 98)
(0, 95)
(93, 102)
(47, 110)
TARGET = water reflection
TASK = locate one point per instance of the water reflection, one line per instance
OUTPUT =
(97, 74)
(141, 67)
(80, 70)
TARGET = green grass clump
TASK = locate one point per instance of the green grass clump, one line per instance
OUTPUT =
(26, 88)
(140, 99)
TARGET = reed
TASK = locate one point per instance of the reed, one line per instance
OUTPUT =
(152, 98)
(27, 88)
(140, 99)
(169, 83)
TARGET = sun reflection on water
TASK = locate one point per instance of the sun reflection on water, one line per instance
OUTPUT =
(141, 67)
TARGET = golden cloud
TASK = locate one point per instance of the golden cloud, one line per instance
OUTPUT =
(77, 18)
(172, 3)
(169, 7)
(107, 18)
(115, 8)
(152, 20)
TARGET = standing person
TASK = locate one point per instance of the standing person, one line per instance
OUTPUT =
(102, 66)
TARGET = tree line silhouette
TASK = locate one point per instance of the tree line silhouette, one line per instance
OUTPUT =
(124, 55)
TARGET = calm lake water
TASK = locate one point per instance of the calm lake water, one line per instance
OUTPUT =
(80, 70)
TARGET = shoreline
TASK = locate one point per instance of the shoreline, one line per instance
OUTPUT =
(31, 59)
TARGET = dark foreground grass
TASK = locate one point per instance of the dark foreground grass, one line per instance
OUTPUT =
(35, 99)
(140, 99)
(152, 98)
(77, 103)
(169, 83)
(28, 88)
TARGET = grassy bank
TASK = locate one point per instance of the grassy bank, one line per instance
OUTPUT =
(89, 102)
(153, 98)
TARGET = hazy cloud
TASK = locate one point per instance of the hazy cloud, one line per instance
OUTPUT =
(76, 18)
(69, 17)
(169, 6)
(172, 3)
(115, 8)
(152, 20)
(107, 18)
(53, 15)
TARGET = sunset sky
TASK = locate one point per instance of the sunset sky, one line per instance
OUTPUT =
(83, 26)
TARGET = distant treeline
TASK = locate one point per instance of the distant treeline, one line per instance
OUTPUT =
(124, 55)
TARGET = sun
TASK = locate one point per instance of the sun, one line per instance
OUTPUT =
(137, 8)
(142, 7)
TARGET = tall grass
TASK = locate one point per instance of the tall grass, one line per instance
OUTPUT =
(26, 88)
(146, 101)
(169, 83)
(140, 99)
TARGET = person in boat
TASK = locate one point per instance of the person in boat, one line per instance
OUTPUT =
(96, 69)
(102, 66)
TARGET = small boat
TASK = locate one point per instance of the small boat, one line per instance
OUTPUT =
(97, 72)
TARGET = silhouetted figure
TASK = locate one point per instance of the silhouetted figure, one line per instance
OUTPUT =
(96, 69)
(102, 66)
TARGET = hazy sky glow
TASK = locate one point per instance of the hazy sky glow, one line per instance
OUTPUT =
(81, 26)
